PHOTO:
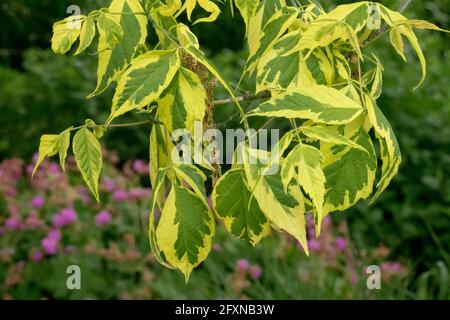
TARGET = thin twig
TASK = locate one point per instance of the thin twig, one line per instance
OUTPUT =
(246, 97)
(378, 33)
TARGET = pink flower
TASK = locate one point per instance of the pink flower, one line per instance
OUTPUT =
(104, 217)
(242, 265)
(37, 256)
(314, 245)
(255, 272)
(341, 243)
(84, 195)
(58, 221)
(37, 202)
(53, 168)
(33, 221)
(50, 245)
(391, 266)
(29, 169)
(120, 195)
(217, 247)
(109, 184)
(13, 223)
(138, 193)
(140, 167)
(54, 234)
(68, 215)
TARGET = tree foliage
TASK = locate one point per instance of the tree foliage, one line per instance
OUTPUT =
(312, 67)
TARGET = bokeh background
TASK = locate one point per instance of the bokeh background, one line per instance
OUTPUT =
(51, 221)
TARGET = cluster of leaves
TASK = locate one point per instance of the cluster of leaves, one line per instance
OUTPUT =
(308, 61)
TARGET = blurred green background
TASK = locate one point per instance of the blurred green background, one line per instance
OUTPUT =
(407, 229)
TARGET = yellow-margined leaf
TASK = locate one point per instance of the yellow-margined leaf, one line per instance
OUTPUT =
(400, 27)
(272, 31)
(52, 144)
(87, 34)
(109, 29)
(281, 68)
(183, 102)
(233, 202)
(158, 193)
(88, 156)
(318, 103)
(47, 148)
(303, 164)
(247, 8)
(63, 144)
(281, 208)
(129, 15)
(65, 33)
(206, 5)
(264, 12)
(148, 76)
(389, 148)
(329, 134)
(349, 172)
(185, 230)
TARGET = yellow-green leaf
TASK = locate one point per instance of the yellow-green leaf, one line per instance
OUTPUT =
(303, 164)
(318, 103)
(185, 230)
(389, 148)
(272, 31)
(349, 172)
(48, 147)
(233, 202)
(87, 34)
(109, 29)
(183, 102)
(247, 8)
(88, 156)
(281, 208)
(63, 144)
(329, 134)
(144, 81)
(113, 61)
(65, 33)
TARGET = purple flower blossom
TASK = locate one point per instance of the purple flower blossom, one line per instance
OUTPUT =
(49, 245)
(37, 256)
(68, 215)
(33, 221)
(29, 169)
(109, 185)
(314, 245)
(53, 167)
(391, 266)
(341, 243)
(242, 265)
(13, 223)
(35, 157)
(139, 193)
(37, 202)
(120, 195)
(58, 221)
(84, 195)
(140, 167)
(255, 272)
(104, 217)
(54, 234)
